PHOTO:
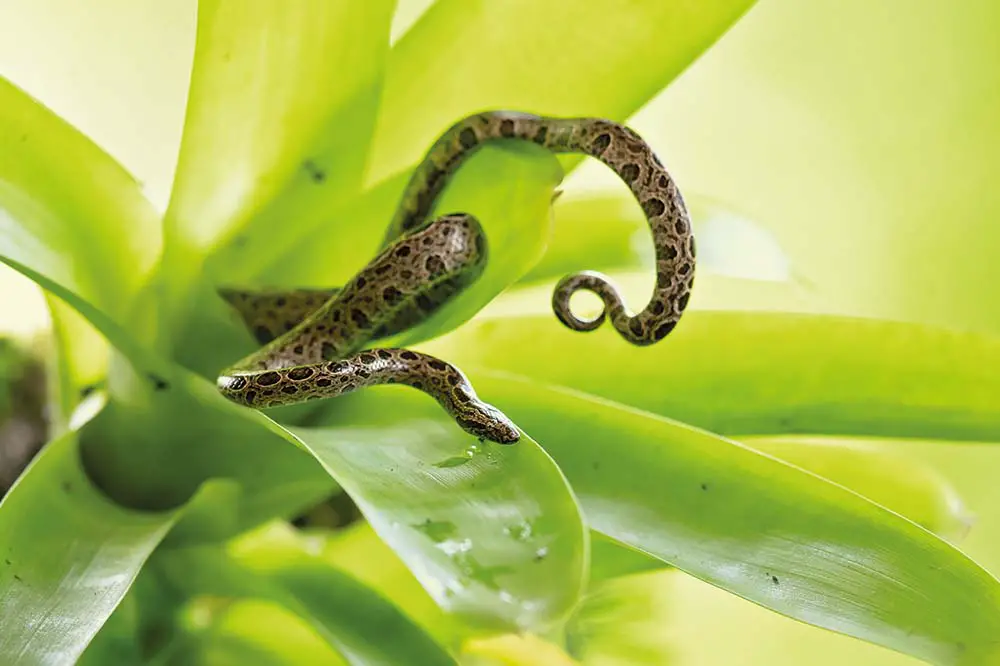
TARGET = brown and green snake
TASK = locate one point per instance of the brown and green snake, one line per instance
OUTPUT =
(314, 340)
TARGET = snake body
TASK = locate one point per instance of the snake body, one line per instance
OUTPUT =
(313, 339)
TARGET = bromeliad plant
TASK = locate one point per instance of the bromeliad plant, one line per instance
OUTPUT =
(153, 528)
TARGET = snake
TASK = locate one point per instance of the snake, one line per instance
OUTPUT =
(315, 341)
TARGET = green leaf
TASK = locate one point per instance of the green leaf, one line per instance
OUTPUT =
(622, 622)
(191, 434)
(348, 615)
(559, 58)
(759, 528)
(424, 485)
(280, 114)
(897, 482)
(67, 557)
(745, 373)
(67, 210)
(358, 549)
(492, 532)
(266, 123)
(248, 631)
(81, 359)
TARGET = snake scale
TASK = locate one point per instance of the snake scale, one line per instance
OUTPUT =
(314, 341)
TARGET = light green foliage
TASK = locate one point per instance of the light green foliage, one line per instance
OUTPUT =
(155, 527)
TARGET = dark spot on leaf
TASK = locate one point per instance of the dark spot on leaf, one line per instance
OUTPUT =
(317, 174)
(159, 383)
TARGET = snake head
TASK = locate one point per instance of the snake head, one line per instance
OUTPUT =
(487, 422)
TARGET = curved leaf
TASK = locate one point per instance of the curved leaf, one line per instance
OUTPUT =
(332, 158)
(67, 557)
(899, 483)
(759, 528)
(425, 486)
(67, 210)
(492, 532)
(748, 373)
(347, 614)
(359, 549)
(280, 114)
(601, 58)
(247, 631)
(623, 621)
(191, 434)
(266, 88)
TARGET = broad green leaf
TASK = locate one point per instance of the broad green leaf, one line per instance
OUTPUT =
(358, 549)
(266, 89)
(624, 621)
(191, 434)
(612, 559)
(123, 341)
(118, 640)
(760, 528)
(745, 373)
(280, 112)
(348, 615)
(341, 122)
(514, 650)
(247, 631)
(67, 557)
(562, 57)
(897, 482)
(161, 404)
(80, 361)
(492, 532)
(67, 210)
(425, 486)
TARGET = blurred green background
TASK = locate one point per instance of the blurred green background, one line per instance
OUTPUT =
(862, 135)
